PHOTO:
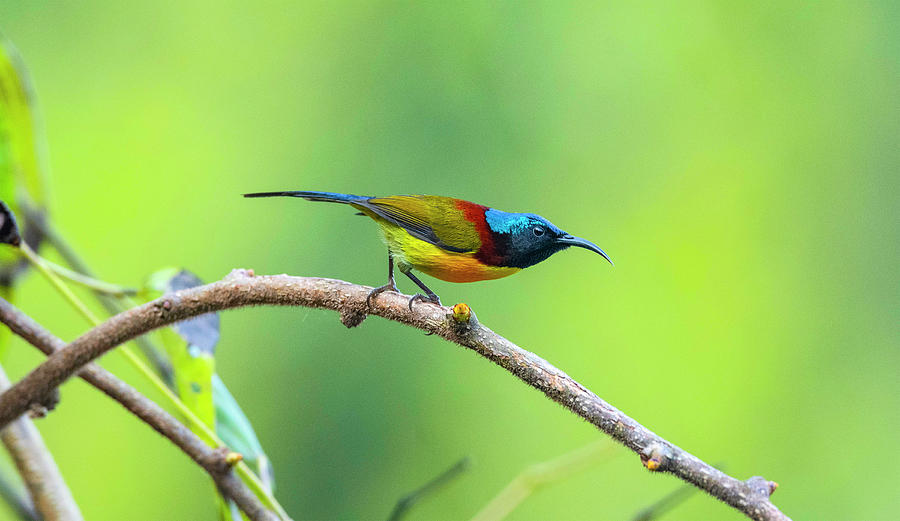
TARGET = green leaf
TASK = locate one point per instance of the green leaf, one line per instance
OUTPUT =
(22, 148)
(22, 157)
(190, 346)
(193, 371)
(237, 432)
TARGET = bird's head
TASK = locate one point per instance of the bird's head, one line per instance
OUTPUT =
(525, 239)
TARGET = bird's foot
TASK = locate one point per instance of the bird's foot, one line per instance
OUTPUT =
(425, 298)
(390, 286)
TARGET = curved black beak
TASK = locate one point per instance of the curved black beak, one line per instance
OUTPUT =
(570, 240)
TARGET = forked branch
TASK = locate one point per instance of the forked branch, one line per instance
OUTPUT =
(241, 289)
(213, 461)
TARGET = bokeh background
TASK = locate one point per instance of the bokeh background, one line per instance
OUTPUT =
(739, 162)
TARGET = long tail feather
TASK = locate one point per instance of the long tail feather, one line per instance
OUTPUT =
(313, 196)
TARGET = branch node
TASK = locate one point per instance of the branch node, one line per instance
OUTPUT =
(240, 273)
(352, 317)
(462, 318)
(222, 459)
(761, 486)
(163, 306)
(655, 457)
(233, 458)
(39, 409)
(619, 429)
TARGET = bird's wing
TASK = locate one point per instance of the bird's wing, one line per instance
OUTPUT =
(427, 218)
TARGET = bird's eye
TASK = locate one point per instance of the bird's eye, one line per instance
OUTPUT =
(538, 231)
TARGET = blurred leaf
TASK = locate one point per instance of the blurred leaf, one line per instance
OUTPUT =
(193, 369)
(22, 156)
(543, 474)
(22, 150)
(190, 346)
(201, 332)
(237, 432)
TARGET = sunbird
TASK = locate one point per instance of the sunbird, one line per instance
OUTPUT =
(451, 239)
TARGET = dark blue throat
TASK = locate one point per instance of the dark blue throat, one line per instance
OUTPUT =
(521, 240)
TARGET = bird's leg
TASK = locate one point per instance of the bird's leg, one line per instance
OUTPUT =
(429, 295)
(390, 286)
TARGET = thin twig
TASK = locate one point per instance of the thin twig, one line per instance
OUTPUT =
(49, 494)
(112, 305)
(96, 285)
(406, 502)
(242, 289)
(539, 475)
(41, 265)
(213, 461)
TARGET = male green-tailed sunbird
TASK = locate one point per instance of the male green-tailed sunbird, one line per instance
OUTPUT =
(452, 239)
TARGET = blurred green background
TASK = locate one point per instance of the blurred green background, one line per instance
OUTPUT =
(738, 161)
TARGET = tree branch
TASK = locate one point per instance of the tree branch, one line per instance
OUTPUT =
(49, 493)
(17, 500)
(211, 460)
(241, 288)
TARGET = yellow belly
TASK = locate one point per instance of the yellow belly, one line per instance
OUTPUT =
(410, 252)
